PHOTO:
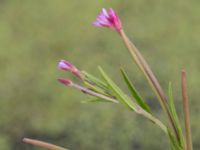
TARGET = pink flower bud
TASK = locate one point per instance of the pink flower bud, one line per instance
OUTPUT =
(108, 19)
(65, 81)
(67, 66)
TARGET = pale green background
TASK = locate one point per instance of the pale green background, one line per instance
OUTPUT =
(36, 34)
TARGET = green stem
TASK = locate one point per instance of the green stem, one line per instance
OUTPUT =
(152, 118)
(144, 67)
(139, 60)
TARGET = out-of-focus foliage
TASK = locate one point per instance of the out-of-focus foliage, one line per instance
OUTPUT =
(35, 35)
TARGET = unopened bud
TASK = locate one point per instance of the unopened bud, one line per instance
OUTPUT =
(65, 81)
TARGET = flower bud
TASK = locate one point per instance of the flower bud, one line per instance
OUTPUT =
(65, 81)
(67, 66)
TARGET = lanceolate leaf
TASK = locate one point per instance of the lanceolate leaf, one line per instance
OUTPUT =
(171, 101)
(93, 80)
(174, 114)
(174, 143)
(117, 91)
(124, 99)
(96, 88)
(94, 100)
(134, 92)
(96, 84)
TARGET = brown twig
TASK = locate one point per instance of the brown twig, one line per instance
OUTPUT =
(186, 111)
(43, 144)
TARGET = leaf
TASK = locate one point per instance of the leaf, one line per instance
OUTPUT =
(171, 101)
(123, 98)
(172, 109)
(96, 89)
(134, 92)
(94, 100)
(174, 143)
(93, 80)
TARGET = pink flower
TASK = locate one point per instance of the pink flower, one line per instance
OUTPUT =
(108, 19)
(67, 66)
(65, 81)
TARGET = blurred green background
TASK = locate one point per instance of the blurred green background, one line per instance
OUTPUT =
(35, 35)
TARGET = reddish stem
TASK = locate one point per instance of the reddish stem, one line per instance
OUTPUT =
(43, 144)
(186, 111)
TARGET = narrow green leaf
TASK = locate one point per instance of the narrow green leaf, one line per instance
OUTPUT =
(124, 99)
(174, 143)
(134, 92)
(96, 89)
(93, 80)
(117, 91)
(172, 109)
(171, 101)
(94, 100)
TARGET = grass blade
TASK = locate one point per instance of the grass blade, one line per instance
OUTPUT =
(93, 80)
(124, 99)
(117, 91)
(134, 92)
(173, 112)
(173, 141)
(95, 100)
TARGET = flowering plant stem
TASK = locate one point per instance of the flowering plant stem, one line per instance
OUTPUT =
(92, 93)
(104, 89)
(124, 99)
(186, 111)
(153, 119)
(146, 70)
(43, 144)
